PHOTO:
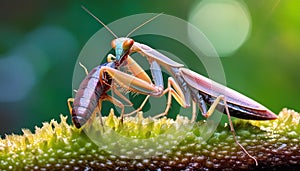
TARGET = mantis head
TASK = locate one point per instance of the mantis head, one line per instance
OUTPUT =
(122, 48)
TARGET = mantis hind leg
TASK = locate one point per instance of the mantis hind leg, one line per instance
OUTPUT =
(212, 109)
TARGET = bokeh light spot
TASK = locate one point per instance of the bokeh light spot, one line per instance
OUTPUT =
(17, 78)
(226, 23)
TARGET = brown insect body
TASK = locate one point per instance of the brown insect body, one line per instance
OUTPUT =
(88, 95)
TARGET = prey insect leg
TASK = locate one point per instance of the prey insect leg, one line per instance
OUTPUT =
(70, 100)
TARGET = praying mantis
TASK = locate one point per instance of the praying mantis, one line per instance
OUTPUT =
(187, 87)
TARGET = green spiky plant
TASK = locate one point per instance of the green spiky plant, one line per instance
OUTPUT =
(142, 143)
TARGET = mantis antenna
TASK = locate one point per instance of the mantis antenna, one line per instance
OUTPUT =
(99, 21)
(111, 30)
(143, 24)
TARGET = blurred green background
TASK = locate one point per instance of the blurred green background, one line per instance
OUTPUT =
(40, 42)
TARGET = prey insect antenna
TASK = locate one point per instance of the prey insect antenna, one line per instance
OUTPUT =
(99, 21)
(84, 68)
(143, 24)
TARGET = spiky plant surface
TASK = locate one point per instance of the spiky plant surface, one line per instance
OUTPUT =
(147, 144)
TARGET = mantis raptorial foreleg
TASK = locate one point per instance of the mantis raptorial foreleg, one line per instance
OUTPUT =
(140, 86)
(140, 82)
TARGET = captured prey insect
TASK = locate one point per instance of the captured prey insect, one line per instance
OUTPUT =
(185, 86)
(92, 91)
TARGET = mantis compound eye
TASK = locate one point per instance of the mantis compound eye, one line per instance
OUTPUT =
(113, 43)
(128, 44)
